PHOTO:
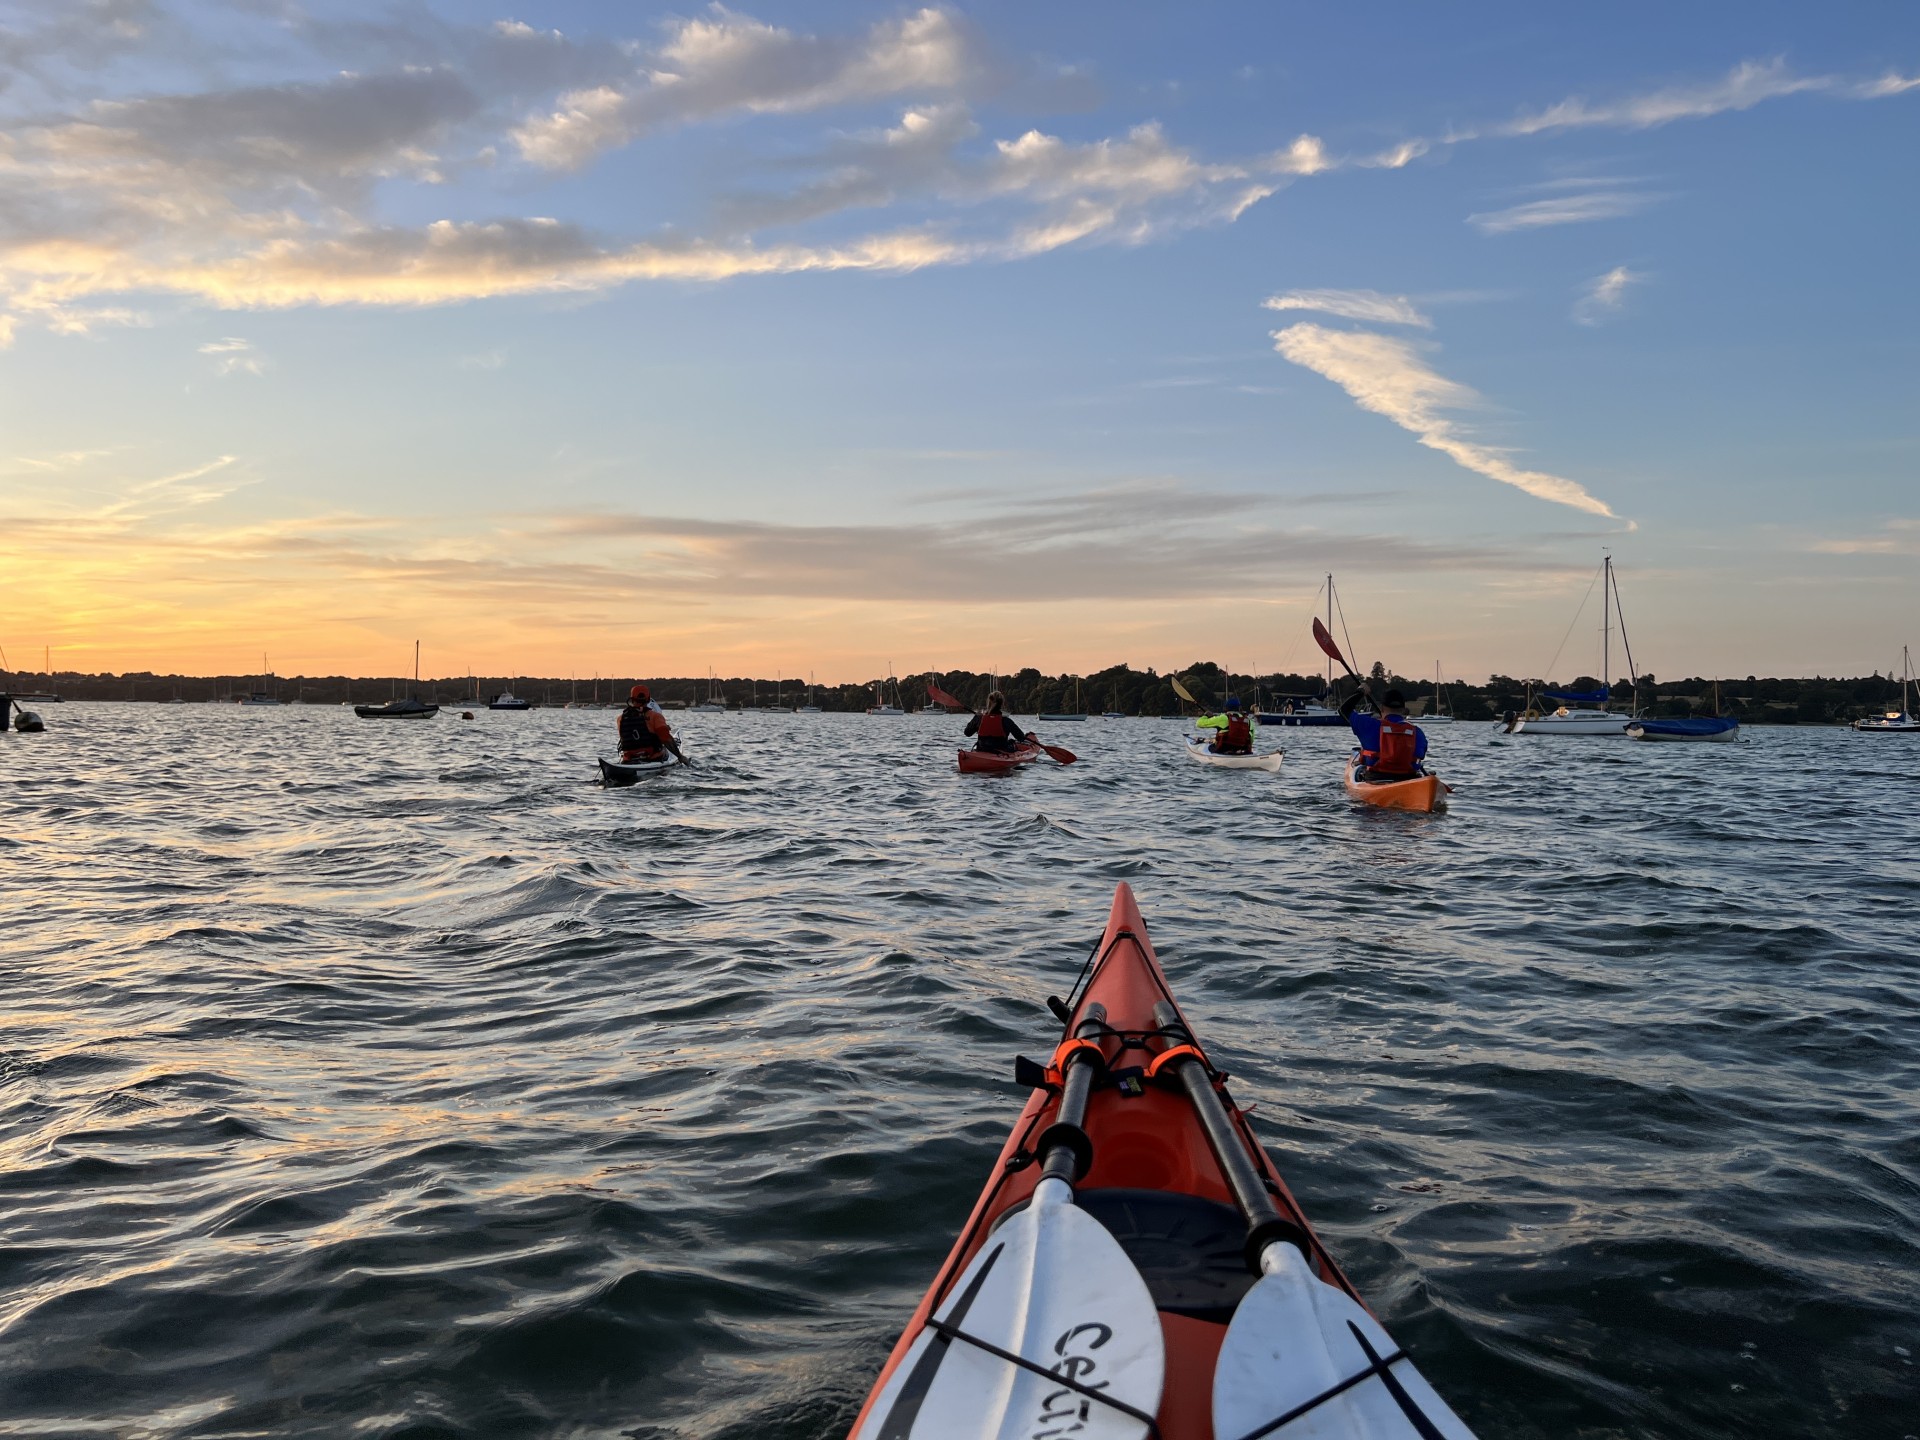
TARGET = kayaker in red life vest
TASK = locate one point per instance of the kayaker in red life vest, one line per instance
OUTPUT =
(1391, 746)
(1236, 736)
(644, 732)
(995, 732)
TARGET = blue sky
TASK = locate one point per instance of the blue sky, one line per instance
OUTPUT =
(596, 337)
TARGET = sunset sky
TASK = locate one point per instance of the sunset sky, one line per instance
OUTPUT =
(607, 337)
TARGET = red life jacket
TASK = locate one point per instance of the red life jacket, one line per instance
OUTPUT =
(1397, 740)
(992, 727)
(1238, 735)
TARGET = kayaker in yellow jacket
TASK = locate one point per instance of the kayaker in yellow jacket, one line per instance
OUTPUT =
(1236, 731)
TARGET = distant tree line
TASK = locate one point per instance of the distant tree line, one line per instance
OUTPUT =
(1816, 701)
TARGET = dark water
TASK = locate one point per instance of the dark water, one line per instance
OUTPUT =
(391, 1080)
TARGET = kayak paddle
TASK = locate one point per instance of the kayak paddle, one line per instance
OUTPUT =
(1050, 1330)
(1325, 642)
(941, 697)
(1298, 1346)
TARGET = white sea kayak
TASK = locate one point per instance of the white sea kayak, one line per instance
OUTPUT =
(625, 772)
(1269, 762)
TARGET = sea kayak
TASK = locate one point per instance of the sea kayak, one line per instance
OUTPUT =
(1199, 751)
(1137, 1266)
(625, 772)
(1422, 792)
(995, 762)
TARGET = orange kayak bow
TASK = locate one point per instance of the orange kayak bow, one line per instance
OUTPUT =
(1136, 1266)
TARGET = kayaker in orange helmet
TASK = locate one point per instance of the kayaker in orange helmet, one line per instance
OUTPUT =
(644, 732)
(994, 731)
(1391, 746)
(1236, 736)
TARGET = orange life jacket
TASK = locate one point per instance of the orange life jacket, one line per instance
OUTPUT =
(1397, 740)
(992, 727)
(1238, 735)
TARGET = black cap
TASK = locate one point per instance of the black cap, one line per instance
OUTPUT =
(1394, 700)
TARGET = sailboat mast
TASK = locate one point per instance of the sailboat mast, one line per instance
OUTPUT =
(1329, 626)
(1606, 622)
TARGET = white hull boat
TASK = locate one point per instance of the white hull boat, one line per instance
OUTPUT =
(1269, 762)
(1573, 722)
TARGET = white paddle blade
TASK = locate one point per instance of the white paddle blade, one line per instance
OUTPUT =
(1052, 1286)
(1293, 1338)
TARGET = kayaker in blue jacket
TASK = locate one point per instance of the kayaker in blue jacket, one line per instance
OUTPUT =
(996, 732)
(1391, 746)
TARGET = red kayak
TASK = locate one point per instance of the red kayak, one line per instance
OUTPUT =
(1136, 1266)
(994, 762)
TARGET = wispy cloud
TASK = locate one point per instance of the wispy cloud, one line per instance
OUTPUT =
(1745, 86)
(1368, 305)
(234, 356)
(1386, 375)
(1898, 536)
(1603, 295)
(730, 64)
(1576, 209)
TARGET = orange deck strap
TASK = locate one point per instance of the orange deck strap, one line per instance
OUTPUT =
(1057, 1066)
(1172, 1053)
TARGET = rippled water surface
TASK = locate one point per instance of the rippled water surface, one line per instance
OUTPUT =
(393, 1079)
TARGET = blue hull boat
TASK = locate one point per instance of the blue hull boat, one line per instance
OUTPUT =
(1701, 728)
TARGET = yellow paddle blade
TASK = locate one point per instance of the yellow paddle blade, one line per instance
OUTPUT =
(1182, 691)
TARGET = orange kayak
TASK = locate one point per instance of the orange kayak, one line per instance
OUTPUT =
(997, 762)
(1204, 1299)
(1422, 792)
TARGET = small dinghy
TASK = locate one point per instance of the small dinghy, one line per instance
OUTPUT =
(1269, 762)
(614, 773)
(1704, 727)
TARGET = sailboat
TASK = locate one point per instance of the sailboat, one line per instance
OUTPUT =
(412, 707)
(1435, 714)
(1307, 709)
(263, 696)
(1895, 722)
(882, 707)
(712, 705)
(809, 708)
(1074, 714)
(1116, 713)
(1585, 712)
(39, 697)
(779, 691)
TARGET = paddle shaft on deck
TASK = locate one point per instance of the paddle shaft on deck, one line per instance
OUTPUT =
(1265, 1223)
(1066, 1150)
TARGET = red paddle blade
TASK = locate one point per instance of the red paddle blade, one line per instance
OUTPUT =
(941, 697)
(1325, 641)
(1060, 753)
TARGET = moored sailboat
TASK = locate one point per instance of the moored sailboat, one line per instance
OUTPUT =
(1585, 712)
(409, 707)
(1895, 722)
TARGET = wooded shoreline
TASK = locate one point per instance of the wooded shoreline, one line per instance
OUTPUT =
(1816, 701)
